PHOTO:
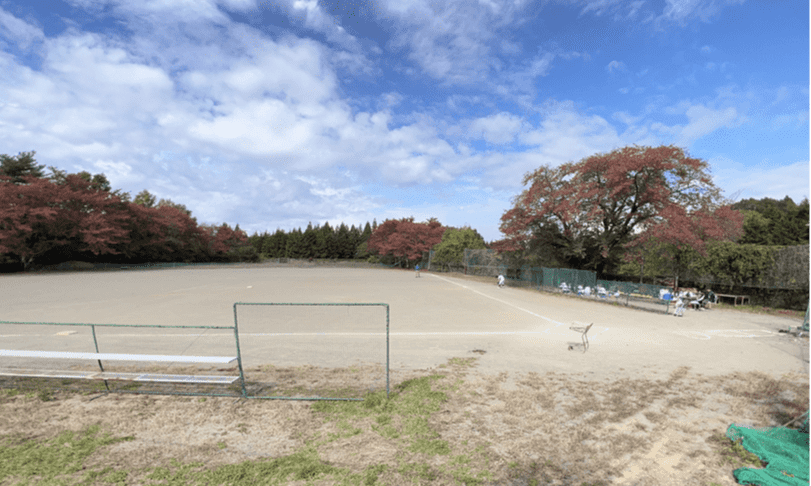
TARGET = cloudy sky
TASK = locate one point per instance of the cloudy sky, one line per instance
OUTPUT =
(273, 114)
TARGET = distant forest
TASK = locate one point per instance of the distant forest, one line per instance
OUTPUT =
(340, 242)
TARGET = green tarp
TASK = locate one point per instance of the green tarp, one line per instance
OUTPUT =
(785, 451)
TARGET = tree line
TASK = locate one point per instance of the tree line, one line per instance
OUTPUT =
(647, 211)
(57, 217)
(339, 242)
(396, 242)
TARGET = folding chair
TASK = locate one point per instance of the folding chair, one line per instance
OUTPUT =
(583, 336)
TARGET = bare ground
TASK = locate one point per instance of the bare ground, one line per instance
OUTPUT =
(547, 427)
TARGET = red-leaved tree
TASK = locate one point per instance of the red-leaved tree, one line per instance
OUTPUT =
(586, 212)
(679, 238)
(223, 239)
(404, 239)
(38, 216)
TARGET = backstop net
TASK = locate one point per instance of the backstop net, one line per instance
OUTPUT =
(312, 351)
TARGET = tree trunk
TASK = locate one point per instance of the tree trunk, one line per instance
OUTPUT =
(642, 270)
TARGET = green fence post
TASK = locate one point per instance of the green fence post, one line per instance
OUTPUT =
(239, 354)
(96, 344)
(387, 351)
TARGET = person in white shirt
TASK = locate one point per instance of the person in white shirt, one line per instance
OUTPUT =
(501, 280)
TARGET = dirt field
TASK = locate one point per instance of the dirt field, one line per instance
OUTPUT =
(484, 388)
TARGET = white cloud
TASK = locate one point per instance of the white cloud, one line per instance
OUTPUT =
(681, 10)
(703, 121)
(18, 31)
(453, 41)
(625, 117)
(598, 7)
(767, 179)
(499, 128)
(795, 120)
(160, 11)
(615, 66)
(316, 19)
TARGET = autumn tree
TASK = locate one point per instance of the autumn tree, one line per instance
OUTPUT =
(450, 251)
(589, 210)
(39, 216)
(227, 244)
(405, 240)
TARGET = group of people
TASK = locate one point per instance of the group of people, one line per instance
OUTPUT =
(587, 291)
(693, 298)
(682, 299)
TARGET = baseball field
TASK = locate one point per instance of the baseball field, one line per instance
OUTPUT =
(488, 385)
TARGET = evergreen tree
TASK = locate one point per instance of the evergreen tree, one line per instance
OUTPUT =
(325, 246)
(356, 238)
(344, 247)
(293, 245)
(20, 166)
(772, 222)
(309, 242)
(276, 245)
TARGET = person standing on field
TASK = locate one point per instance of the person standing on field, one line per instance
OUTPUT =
(501, 280)
(417, 268)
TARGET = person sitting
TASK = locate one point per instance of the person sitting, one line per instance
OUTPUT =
(564, 287)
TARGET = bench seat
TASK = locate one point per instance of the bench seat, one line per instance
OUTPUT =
(107, 375)
(117, 357)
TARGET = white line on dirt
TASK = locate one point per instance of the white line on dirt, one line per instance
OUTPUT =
(727, 333)
(498, 300)
(253, 334)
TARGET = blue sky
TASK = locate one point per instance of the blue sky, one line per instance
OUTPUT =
(276, 114)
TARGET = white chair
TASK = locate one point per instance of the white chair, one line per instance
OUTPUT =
(697, 303)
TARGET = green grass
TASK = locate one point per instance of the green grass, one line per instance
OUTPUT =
(59, 460)
(46, 462)
(403, 420)
(733, 453)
